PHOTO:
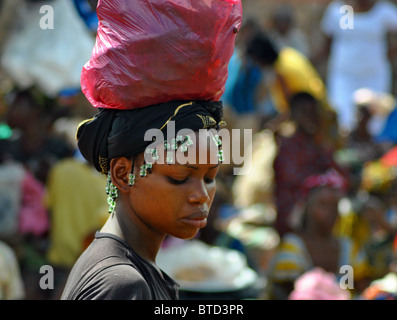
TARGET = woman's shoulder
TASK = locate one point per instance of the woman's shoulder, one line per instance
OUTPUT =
(106, 270)
(117, 282)
(114, 282)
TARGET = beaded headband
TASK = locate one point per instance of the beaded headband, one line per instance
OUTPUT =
(180, 142)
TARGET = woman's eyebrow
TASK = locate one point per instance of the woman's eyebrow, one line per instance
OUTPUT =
(196, 168)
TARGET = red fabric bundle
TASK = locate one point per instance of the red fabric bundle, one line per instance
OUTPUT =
(150, 52)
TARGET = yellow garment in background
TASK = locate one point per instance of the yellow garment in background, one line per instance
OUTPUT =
(77, 204)
(292, 259)
(299, 75)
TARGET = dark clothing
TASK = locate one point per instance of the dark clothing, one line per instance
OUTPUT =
(110, 270)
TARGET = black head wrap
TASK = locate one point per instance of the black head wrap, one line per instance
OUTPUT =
(120, 133)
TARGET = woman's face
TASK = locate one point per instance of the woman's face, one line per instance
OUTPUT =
(323, 209)
(308, 117)
(175, 199)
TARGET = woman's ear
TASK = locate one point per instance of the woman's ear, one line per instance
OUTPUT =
(120, 169)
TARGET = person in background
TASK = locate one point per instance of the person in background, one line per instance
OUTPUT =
(358, 54)
(361, 140)
(240, 96)
(299, 156)
(379, 235)
(33, 143)
(288, 71)
(361, 144)
(312, 243)
(284, 31)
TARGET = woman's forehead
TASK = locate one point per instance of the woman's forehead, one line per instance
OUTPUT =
(325, 192)
(182, 168)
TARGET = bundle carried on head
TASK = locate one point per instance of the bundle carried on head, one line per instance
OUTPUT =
(150, 59)
(152, 52)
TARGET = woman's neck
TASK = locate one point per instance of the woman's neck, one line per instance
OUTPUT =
(144, 241)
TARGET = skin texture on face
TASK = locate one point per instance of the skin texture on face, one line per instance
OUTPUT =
(174, 199)
(308, 118)
(322, 210)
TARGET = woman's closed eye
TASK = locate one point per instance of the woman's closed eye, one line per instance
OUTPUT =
(177, 181)
(207, 180)
(193, 172)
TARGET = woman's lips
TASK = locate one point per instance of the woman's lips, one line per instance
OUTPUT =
(199, 224)
(197, 220)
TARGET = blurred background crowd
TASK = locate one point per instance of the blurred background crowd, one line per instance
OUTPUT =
(316, 89)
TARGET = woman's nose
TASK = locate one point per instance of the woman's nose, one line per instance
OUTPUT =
(199, 194)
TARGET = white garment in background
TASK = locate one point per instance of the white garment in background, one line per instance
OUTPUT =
(358, 56)
(51, 59)
(11, 282)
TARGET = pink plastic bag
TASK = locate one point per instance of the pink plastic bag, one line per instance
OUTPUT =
(150, 52)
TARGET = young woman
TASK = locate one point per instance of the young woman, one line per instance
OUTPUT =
(157, 90)
(148, 199)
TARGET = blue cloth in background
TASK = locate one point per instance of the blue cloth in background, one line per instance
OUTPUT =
(242, 84)
(88, 15)
(389, 132)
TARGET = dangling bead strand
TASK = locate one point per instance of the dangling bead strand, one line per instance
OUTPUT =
(112, 192)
